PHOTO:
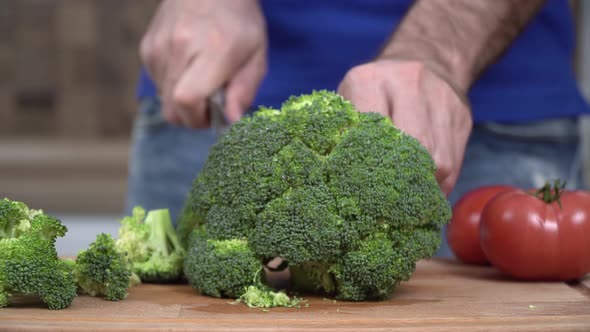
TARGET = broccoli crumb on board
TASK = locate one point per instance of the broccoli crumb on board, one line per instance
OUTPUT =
(261, 296)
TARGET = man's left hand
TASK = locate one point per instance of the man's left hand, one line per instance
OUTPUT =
(421, 102)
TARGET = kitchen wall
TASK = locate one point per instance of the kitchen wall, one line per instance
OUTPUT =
(68, 70)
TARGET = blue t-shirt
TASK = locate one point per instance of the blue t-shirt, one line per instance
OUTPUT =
(312, 44)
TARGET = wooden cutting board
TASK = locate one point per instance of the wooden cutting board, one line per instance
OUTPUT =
(441, 296)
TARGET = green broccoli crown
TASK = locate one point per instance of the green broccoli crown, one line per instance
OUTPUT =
(348, 199)
(101, 270)
(152, 245)
(28, 259)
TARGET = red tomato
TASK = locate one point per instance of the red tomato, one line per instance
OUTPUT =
(532, 238)
(463, 230)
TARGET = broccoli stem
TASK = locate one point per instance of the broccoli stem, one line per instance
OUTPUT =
(69, 262)
(162, 236)
(313, 277)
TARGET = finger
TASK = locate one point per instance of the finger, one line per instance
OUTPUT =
(156, 53)
(447, 184)
(448, 173)
(193, 116)
(205, 75)
(170, 105)
(171, 115)
(365, 92)
(171, 110)
(415, 124)
(443, 171)
(408, 115)
(445, 157)
(241, 89)
(157, 70)
(189, 97)
(154, 45)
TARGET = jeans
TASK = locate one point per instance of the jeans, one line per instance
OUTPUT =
(166, 158)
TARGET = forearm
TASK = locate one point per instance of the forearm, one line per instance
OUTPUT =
(459, 38)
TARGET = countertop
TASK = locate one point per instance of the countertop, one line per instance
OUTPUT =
(442, 295)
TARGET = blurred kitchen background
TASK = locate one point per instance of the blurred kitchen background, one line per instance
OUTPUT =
(68, 70)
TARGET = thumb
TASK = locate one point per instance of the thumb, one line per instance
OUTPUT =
(241, 89)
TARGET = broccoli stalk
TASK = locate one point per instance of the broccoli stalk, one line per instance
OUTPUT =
(29, 264)
(313, 277)
(153, 249)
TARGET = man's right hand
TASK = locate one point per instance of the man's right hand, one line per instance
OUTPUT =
(193, 48)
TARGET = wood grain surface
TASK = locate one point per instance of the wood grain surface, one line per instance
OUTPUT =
(441, 296)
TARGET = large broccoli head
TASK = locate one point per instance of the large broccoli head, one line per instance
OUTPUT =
(346, 198)
(28, 260)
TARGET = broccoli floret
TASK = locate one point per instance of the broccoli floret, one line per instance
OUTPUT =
(101, 270)
(364, 273)
(221, 268)
(15, 217)
(229, 268)
(28, 259)
(346, 198)
(152, 245)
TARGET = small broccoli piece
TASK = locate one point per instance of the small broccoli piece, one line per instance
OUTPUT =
(229, 268)
(262, 296)
(349, 200)
(221, 268)
(152, 245)
(101, 270)
(28, 259)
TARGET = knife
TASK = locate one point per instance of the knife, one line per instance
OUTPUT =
(216, 108)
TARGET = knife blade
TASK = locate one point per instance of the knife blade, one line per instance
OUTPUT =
(216, 108)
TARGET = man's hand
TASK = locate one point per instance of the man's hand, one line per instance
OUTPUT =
(421, 103)
(423, 73)
(192, 48)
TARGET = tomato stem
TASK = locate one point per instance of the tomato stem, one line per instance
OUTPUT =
(550, 193)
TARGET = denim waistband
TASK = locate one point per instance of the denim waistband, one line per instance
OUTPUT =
(550, 130)
(557, 129)
(150, 112)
